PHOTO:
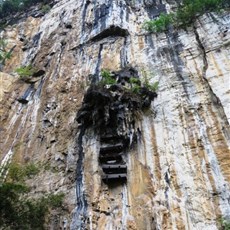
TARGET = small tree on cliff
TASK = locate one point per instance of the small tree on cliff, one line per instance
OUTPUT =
(5, 53)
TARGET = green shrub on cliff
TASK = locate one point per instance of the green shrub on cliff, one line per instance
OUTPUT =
(45, 8)
(107, 79)
(161, 24)
(147, 77)
(17, 172)
(225, 224)
(135, 84)
(185, 15)
(5, 53)
(25, 71)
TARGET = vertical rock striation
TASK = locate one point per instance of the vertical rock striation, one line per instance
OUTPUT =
(178, 173)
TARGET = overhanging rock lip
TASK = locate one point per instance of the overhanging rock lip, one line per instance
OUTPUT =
(114, 176)
(111, 31)
(114, 166)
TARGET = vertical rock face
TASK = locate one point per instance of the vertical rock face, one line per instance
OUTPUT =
(178, 172)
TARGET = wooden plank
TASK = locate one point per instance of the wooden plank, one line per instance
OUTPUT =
(110, 138)
(111, 149)
(114, 166)
(115, 176)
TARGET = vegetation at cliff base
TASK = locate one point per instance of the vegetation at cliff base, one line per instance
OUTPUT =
(185, 15)
(17, 210)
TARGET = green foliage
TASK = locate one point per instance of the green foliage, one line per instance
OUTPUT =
(5, 53)
(2, 25)
(161, 24)
(45, 8)
(17, 172)
(13, 6)
(185, 15)
(107, 79)
(10, 6)
(225, 224)
(136, 89)
(25, 71)
(55, 201)
(9, 196)
(20, 213)
(17, 211)
(135, 84)
(153, 87)
(31, 170)
(134, 81)
(105, 73)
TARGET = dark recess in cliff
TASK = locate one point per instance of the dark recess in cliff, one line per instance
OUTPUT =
(112, 31)
(110, 110)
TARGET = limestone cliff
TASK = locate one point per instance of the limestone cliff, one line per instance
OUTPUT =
(178, 170)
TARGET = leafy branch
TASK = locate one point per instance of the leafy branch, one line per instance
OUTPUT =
(185, 15)
(5, 53)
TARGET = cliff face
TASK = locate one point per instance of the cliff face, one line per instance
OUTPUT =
(178, 170)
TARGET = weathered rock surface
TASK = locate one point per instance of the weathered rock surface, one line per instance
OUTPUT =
(178, 173)
(6, 81)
